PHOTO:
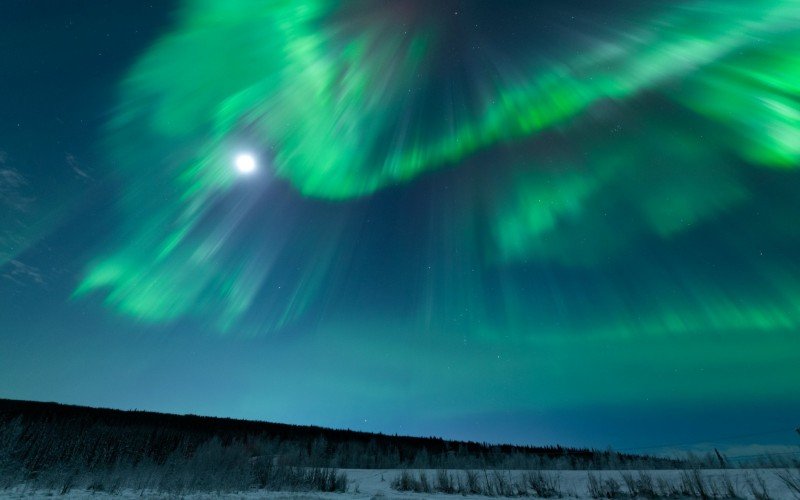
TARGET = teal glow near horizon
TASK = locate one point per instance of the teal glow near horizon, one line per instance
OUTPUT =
(479, 210)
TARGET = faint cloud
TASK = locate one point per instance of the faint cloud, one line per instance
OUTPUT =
(12, 179)
(76, 167)
(23, 274)
(12, 187)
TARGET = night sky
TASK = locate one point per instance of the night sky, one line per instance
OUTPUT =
(535, 222)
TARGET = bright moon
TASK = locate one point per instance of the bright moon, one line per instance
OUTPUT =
(245, 163)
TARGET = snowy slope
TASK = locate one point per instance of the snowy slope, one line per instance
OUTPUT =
(373, 483)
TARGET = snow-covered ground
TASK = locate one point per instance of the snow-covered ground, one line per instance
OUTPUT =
(372, 483)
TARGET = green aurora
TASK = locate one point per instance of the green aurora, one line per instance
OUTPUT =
(324, 89)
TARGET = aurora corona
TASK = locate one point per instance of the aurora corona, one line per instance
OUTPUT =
(575, 165)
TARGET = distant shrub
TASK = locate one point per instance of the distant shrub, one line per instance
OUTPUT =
(791, 479)
(603, 487)
(488, 483)
(757, 486)
(446, 482)
(543, 485)
(641, 486)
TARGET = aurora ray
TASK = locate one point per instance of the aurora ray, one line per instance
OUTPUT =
(346, 100)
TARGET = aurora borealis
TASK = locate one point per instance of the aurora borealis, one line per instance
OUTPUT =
(450, 217)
